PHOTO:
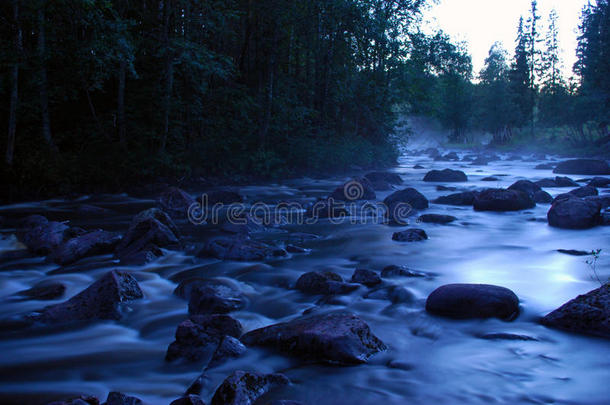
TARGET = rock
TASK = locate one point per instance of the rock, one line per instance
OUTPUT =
(602, 200)
(490, 178)
(296, 249)
(327, 283)
(583, 166)
(215, 297)
(506, 336)
(176, 200)
(200, 335)
(285, 402)
(446, 175)
(445, 188)
(44, 291)
(356, 189)
(402, 204)
(221, 196)
(410, 235)
(149, 231)
(89, 244)
(463, 301)
(545, 166)
(244, 388)
(103, 299)
(240, 249)
(418, 167)
(503, 200)
(81, 400)
(42, 236)
(244, 225)
(533, 190)
(432, 152)
(367, 277)
(338, 337)
(574, 213)
(190, 399)
(587, 314)
(599, 182)
(573, 252)
(118, 398)
(394, 293)
(228, 348)
(585, 191)
(436, 219)
(461, 199)
(565, 182)
(387, 177)
(328, 208)
(400, 271)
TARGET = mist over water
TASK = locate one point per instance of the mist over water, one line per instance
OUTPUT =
(429, 359)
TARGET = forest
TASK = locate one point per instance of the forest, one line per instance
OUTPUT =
(112, 92)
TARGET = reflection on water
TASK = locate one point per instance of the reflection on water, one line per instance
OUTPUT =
(430, 360)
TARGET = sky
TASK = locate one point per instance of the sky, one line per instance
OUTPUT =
(482, 22)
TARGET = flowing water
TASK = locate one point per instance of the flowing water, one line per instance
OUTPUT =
(429, 359)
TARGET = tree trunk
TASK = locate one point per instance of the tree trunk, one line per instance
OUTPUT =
(44, 92)
(12, 122)
(121, 103)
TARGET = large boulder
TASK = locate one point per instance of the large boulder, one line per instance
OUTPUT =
(410, 235)
(503, 200)
(118, 398)
(588, 314)
(359, 188)
(446, 175)
(574, 213)
(601, 182)
(89, 244)
(199, 336)
(244, 388)
(339, 337)
(103, 299)
(42, 236)
(583, 166)
(240, 249)
(404, 203)
(176, 200)
(148, 232)
(558, 181)
(215, 297)
(533, 190)
(462, 301)
(465, 198)
(586, 191)
(367, 277)
(327, 283)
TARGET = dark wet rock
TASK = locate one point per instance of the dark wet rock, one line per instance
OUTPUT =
(89, 244)
(45, 291)
(190, 399)
(410, 235)
(285, 402)
(418, 167)
(118, 398)
(503, 200)
(103, 299)
(215, 297)
(533, 190)
(221, 196)
(176, 200)
(295, 249)
(482, 161)
(244, 225)
(228, 348)
(463, 301)
(18, 254)
(587, 314)
(490, 178)
(545, 166)
(573, 252)
(585, 191)
(574, 213)
(327, 208)
(81, 400)
(432, 152)
(583, 166)
(148, 232)
(240, 249)
(244, 388)
(87, 209)
(327, 283)
(445, 188)
(436, 219)
(384, 177)
(404, 203)
(199, 336)
(506, 336)
(42, 236)
(446, 175)
(557, 182)
(359, 188)
(394, 293)
(401, 271)
(465, 198)
(600, 182)
(602, 200)
(367, 277)
(337, 337)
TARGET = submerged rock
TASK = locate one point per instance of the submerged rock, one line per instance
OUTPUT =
(241, 249)
(244, 388)
(503, 200)
(401, 271)
(465, 198)
(367, 277)
(583, 166)
(436, 219)
(339, 337)
(587, 314)
(103, 299)
(599, 182)
(42, 236)
(327, 283)
(44, 291)
(327, 208)
(574, 213)
(410, 235)
(89, 244)
(391, 178)
(356, 189)
(198, 336)
(446, 175)
(189, 399)
(81, 400)
(462, 301)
